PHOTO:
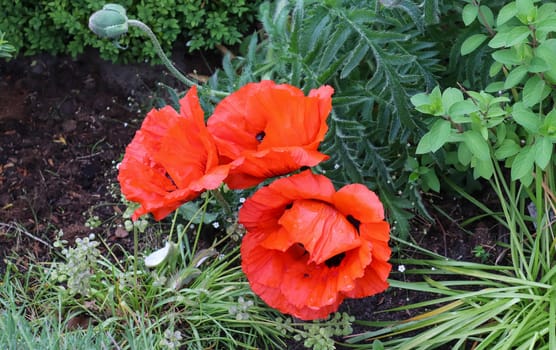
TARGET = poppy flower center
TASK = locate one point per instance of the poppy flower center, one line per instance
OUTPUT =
(356, 223)
(334, 261)
(260, 136)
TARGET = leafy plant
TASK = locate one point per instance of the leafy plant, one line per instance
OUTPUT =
(5, 47)
(185, 296)
(509, 306)
(60, 26)
(374, 56)
(518, 125)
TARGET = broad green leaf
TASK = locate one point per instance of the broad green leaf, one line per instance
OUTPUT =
(525, 9)
(548, 127)
(420, 99)
(469, 13)
(547, 25)
(429, 103)
(431, 180)
(547, 51)
(506, 13)
(515, 77)
(435, 138)
(499, 99)
(542, 148)
(546, 12)
(449, 97)
(525, 117)
(487, 18)
(534, 91)
(495, 86)
(523, 163)
(462, 108)
(499, 40)
(495, 68)
(464, 154)
(537, 65)
(508, 57)
(517, 35)
(507, 149)
(482, 168)
(472, 42)
(476, 144)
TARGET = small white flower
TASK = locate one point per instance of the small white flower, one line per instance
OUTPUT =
(216, 224)
(401, 268)
(336, 166)
(242, 200)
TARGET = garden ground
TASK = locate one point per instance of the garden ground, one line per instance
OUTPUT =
(64, 125)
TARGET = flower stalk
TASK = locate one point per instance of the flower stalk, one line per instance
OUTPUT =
(112, 22)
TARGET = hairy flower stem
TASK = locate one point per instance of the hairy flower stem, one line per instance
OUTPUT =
(145, 28)
(222, 201)
(175, 72)
(111, 22)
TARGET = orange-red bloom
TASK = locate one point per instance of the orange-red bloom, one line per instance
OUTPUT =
(309, 246)
(267, 129)
(171, 159)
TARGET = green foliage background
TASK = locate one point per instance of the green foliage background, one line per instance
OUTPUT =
(60, 26)
(375, 55)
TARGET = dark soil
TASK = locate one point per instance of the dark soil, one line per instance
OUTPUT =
(65, 123)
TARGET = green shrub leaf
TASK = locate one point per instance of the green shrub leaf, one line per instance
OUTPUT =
(507, 149)
(534, 91)
(469, 13)
(523, 163)
(515, 77)
(462, 107)
(525, 117)
(435, 138)
(476, 144)
(471, 43)
(542, 148)
(506, 13)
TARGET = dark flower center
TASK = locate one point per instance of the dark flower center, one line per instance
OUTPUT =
(336, 260)
(289, 206)
(354, 222)
(260, 136)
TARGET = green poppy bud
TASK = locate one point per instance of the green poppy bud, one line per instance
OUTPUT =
(110, 22)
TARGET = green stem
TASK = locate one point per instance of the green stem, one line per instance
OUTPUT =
(160, 52)
(175, 72)
(222, 201)
(135, 251)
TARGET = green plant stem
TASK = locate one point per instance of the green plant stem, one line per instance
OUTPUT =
(222, 201)
(135, 250)
(175, 72)
(160, 52)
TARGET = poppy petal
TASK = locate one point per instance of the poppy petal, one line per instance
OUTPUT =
(254, 167)
(322, 230)
(267, 129)
(171, 159)
(373, 282)
(306, 250)
(360, 202)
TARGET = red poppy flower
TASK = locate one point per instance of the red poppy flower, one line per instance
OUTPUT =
(171, 159)
(309, 246)
(267, 129)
